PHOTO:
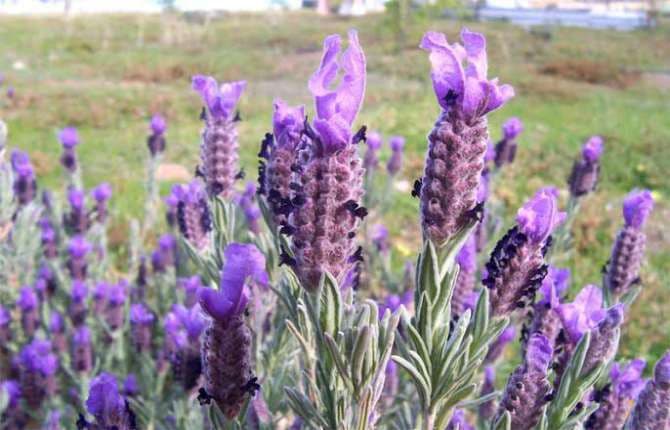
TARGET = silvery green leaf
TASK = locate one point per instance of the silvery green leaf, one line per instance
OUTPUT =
(331, 305)
(629, 296)
(361, 346)
(419, 344)
(473, 403)
(503, 423)
(337, 356)
(364, 409)
(428, 271)
(422, 385)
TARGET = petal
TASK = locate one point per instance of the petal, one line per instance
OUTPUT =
(498, 95)
(351, 91)
(475, 48)
(287, 119)
(230, 95)
(324, 76)
(215, 303)
(446, 68)
(636, 208)
(334, 133)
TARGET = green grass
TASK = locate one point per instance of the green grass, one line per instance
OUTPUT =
(106, 75)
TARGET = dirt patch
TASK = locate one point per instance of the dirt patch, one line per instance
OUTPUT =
(171, 73)
(592, 72)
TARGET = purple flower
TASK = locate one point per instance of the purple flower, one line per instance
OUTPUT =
(584, 176)
(13, 390)
(592, 149)
(191, 286)
(27, 300)
(380, 238)
(243, 262)
(636, 208)
(158, 124)
(192, 320)
(82, 336)
(336, 109)
(102, 192)
(68, 137)
(374, 144)
(247, 202)
(583, 314)
(56, 322)
(604, 339)
(37, 368)
(466, 91)
(554, 286)
(141, 321)
(394, 164)
(512, 128)
(130, 386)
(627, 381)
(287, 122)
(77, 219)
(392, 303)
(82, 352)
(220, 101)
(106, 404)
(139, 314)
(24, 183)
(458, 421)
(76, 198)
(78, 248)
(278, 156)
(79, 291)
(527, 389)
(193, 213)
(539, 217)
(651, 408)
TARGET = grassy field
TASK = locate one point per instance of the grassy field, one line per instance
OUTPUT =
(106, 75)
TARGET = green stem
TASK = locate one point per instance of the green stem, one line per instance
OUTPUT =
(428, 421)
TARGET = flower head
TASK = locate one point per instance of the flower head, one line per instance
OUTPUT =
(158, 124)
(636, 208)
(243, 262)
(102, 192)
(78, 247)
(76, 198)
(104, 400)
(336, 109)
(139, 314)
(627, 381)
(539, 217)
(220, 101)
(465, 90)
(583, 314)
(287, 120)
(82, 336)
(56, 322)
(592, 149)
(37, 357)
(68, 137)
(539, 353)
(467, 256)
(397, 144)
(79, 291)
(553, 286)
(512, 128)
(13, 390)
(380, 237)
(27, 299)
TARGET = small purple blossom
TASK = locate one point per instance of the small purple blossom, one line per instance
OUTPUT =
(220, 101)
(394, 164)
(458, 421)
(246, 201)
(287, 120)
(592, 149)
(69, 137)
(27, 300)
(374, 144)
(539, 217)
(139, 314)
(78, 247)
(131, 387)
(336, 109)
(512, 128)
(498, 346)
(56, 322)
(464, 90)
(243, 262)
(106, 404)
(79, 291)
(158, 125)
(13, 390)
(627, 381)
(380, 238)
(583, 314)
(102, 192)
(636, 208)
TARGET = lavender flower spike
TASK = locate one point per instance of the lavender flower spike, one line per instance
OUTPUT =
(101, 194)
(156, 141)
(584, 176)
(516, 268)
(193, 215)
(505, 150)
(37, 370)
(397, 144)
(371, 158)
(458, 421)
(326, 207)
(107, 405)
(219, 149)
(617, 398)
(527, 389)
(628, 249)
(78, 248)
(76, 220)
(457, 143)
(82, 351)
(69, 139)
(604, 340)
(29, 305)
(279, 152)
(652, 409)
(226, 351)
(141, 320)
(24, 185)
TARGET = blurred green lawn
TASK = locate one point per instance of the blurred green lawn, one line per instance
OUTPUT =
(106, 75)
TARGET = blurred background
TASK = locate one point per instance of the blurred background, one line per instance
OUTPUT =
(580, 68)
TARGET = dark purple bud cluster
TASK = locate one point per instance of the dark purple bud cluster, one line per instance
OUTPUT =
(516, 268)
(82, 350)
(25, 186)
(141, 323)
(505, 150)
(69, 139)
(37, 372)
(156, 140)
(584, 176)
(628, 251)
(76, 220)
(78, 249)
(528, 387)
(193, 216)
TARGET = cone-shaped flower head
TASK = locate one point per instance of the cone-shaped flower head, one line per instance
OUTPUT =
(107, 405)
(28, 302)
(605, 339)
(78, 248)
(193, 215)
(373, 145)
(141, 321)
(219, 149)
(527, 389)
(394, 164)
(505, 150)
(82, 350)
(24, 185)
(628, 250)
(184, 326)
(652, 409)
(69, 139)
(457, 143)
(226, 356)
(156, 140)
(465, 283)
(584, 176)
(37, 369)
(76, 220)
(326, 206)
(101, 195)
(278, 157)
(191, 287)
(336, 109)
(464, 90)
(516, 268)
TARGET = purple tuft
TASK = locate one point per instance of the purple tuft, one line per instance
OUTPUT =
(636, 208)
(512, 128)
(68, 137)
(592, 149)
(539, 217)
